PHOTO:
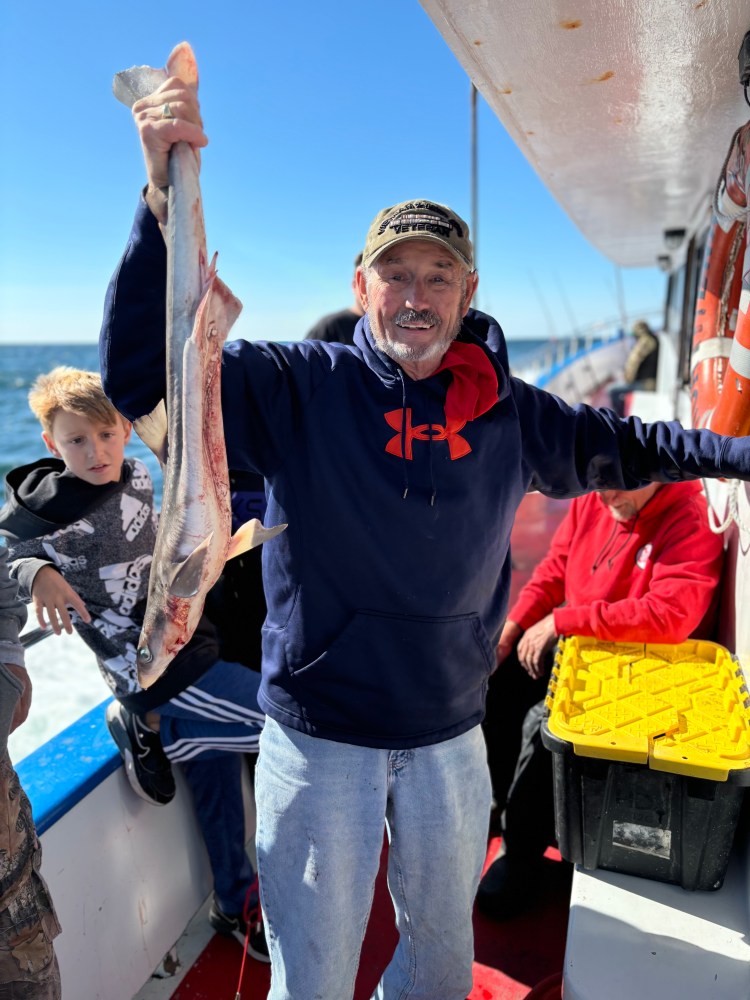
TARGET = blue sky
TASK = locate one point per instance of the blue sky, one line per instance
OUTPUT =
(318, 115)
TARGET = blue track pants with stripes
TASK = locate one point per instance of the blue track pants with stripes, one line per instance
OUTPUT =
(205, 728)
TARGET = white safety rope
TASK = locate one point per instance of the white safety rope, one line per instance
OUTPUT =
(733, 510)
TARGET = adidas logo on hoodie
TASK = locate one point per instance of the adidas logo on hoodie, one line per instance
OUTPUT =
(123, 582)
(135, 514)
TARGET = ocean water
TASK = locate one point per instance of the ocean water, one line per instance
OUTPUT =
(21, 364)
(66, 681)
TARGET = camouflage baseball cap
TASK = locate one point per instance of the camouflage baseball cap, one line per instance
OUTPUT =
(418, 220)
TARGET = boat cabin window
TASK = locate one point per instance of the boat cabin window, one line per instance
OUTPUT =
(675, 301)
(682, 295)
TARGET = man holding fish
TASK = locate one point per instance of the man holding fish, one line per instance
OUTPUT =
(398, 464)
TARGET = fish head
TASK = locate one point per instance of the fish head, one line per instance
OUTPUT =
(177, 591)
(165, 631)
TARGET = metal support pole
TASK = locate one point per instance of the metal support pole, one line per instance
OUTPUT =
(474, 175)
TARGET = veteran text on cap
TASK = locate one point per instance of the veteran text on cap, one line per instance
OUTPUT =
(418, 220)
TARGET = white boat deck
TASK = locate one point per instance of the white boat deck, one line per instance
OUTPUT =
(176, 966)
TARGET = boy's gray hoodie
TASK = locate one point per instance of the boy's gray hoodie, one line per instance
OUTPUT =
(101, 538)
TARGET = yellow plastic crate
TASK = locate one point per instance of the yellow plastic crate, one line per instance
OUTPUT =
(681, 708)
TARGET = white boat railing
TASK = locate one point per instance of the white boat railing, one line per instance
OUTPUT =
(555, 354)
(126, 876)
(29, 639)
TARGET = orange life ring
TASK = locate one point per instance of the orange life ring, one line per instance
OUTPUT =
(720, 377)
(715, 320)
(732, 413)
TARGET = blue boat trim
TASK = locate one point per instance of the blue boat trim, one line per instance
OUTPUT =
(64, 770)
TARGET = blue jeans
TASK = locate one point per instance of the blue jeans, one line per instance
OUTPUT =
(322, 809)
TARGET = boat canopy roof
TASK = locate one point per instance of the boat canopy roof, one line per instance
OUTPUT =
(625, 110)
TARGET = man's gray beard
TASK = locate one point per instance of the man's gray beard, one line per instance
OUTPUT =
(414, 353)
(626, 513)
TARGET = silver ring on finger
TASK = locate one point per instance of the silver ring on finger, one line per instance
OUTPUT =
(166, 111)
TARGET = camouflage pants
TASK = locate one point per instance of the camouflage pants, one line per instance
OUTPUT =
(44, 985)
(28, 923)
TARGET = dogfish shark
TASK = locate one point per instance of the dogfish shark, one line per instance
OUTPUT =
(185, 431)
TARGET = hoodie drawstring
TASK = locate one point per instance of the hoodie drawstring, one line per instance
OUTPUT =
(433, 488)
(404, 466)
(608, 544)
(404, 462)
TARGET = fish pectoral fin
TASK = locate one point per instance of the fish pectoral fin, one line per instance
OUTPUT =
(187, 577)
(251, 534)
(152, 430)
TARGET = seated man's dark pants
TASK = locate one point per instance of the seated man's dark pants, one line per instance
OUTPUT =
(528, 824)
(510, 695)
(514, 879)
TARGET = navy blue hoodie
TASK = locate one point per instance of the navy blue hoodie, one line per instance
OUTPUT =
(388, 590)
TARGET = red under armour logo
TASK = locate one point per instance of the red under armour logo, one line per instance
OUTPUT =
(457, 446)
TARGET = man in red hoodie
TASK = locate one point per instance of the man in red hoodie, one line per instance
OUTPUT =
(622, 566)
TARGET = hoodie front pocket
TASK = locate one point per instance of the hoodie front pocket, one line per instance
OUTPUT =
(394, 676)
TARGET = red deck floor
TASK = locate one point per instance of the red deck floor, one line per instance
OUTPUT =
(510, 958)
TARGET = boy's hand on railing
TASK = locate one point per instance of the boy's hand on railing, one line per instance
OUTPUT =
(52, 596)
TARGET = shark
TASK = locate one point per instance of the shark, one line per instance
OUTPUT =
(185, 431)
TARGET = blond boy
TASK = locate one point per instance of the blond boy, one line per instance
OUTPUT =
(82, 528)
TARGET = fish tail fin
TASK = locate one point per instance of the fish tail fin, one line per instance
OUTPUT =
(181, 63)
(132, 84)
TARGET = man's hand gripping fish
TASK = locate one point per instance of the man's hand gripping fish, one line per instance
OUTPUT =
(185, 431)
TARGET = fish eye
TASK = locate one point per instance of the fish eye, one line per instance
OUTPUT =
(144, 654)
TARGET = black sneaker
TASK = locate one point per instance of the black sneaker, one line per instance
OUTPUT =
(235, 926)
(146, 765)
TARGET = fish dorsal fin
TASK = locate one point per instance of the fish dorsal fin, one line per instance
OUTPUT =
(188, 575)
(152, 430)
(249, 535)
